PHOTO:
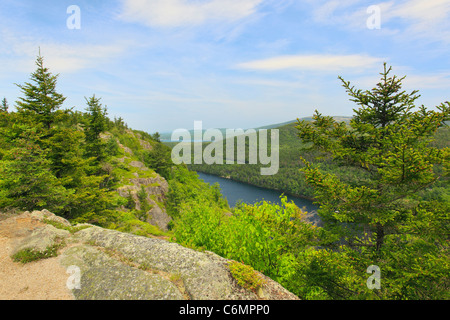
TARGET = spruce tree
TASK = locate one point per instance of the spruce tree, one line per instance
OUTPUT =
(40, 97)
(96, 124)
(381, 219)
(4, 106)
(389, 143)
(26, 181)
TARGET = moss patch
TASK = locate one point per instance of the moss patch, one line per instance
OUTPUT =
(29, 255)
(71, 229)
(245, 276)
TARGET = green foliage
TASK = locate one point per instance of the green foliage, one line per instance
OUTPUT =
(26, 181)
(40, 97)
(29, 255)
(96, 124)
(131, 204)
(142, 197)
(245, 276)
(184, 186)
(159, 158)
(4, 106)
(156, 136)
(71, 229)
(129, 222)
(258, 235)
(66, 154)
(382, 220)
(112, 147)
(387, 140)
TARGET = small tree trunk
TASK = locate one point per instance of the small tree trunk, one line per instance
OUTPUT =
(380, 236)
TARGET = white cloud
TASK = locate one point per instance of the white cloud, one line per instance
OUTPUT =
(318, 62)
(423, 11)
(428, 19)
(327, 12)
(71, 58)
(428, 81)
(424, 18)
(20, 52)
(176, 13)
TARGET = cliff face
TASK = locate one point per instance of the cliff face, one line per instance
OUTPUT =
(107, 264)
(136, 177)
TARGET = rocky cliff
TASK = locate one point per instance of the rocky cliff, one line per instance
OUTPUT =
(136, 177)
(102, 264)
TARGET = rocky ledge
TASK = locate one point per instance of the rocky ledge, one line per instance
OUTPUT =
(107, 264)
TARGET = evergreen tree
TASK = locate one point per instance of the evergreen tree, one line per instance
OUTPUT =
(4, 106)
(26, 181)
(96, 124)
(156, 136)
(388, 141)
(40, 97)
(159, 159)
(66, 154)
(380, 218)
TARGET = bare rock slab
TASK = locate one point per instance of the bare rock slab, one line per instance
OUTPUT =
(204, 275)
(104, 278)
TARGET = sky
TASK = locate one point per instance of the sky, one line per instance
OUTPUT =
(163, 64)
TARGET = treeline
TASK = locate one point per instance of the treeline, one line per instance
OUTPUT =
(67, 161)
(289, 178)
(52, 158)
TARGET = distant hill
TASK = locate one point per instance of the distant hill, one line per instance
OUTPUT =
(291, 149)
(167, 136)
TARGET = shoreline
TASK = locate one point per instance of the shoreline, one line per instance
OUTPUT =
(255, 185)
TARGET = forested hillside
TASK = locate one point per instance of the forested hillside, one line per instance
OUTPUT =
(292, 149)
(85, 166)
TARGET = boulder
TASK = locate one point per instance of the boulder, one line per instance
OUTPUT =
(201, 275)
(156, 189)
(47, 215)
(158, 217)
(41, 239)
(138, 164)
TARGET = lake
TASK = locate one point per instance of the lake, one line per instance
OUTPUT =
(235, 191)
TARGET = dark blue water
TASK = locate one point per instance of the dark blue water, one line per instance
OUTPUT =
(235, 191)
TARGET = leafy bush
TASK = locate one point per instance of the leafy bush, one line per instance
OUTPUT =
(245, 276)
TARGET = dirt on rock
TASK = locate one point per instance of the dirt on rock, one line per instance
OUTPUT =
(40, 280)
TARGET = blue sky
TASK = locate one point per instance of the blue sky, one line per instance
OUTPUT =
(163, 64)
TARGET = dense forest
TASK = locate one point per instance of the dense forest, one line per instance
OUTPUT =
(73, 163)
(292, 150)
(380, 182)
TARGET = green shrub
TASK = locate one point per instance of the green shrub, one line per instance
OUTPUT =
(245, 276)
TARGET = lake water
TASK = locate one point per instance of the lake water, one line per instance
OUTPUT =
(235, 191)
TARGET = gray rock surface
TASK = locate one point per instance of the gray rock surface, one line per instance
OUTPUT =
(204, 274)
(122, 266)
(105, 278)
(42, 238)
(156, 187)
(47, 215)
(158, 217)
